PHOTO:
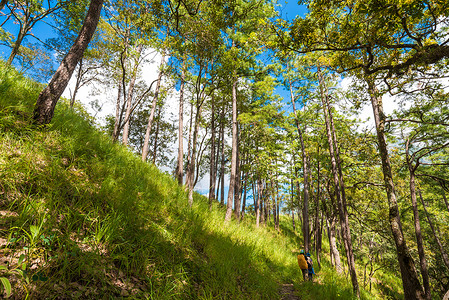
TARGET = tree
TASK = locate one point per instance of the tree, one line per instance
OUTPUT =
(27, 14)
(46, 102)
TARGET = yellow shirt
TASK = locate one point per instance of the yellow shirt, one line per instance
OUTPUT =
(302, 262)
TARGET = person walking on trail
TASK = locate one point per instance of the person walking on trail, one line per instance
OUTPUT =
(310, 269)
(302, 262)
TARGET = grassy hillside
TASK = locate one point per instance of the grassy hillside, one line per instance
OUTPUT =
(82, 217)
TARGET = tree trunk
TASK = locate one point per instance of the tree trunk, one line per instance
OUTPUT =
(15, 50)
(222, 160)
(305, 210)
(2, 4)
(238, 183)
(46, 102)
(189, 148)
(129, 97)
(192, 161)
(180, 164)
(116, 131)
(158, 121)
(212, 173)
(221, 157)
(146, 143)
(338, 182)
(330, 216)
(417, 224)
(234, 151)
(258, 202)
(245, 186)
(410, 281)
(78, 83)
(434, 231)
(317, 215)
(445, 201)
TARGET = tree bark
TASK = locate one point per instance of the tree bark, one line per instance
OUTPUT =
(146, 143)
(417, 224)
(2, 4)
(116, 132)
(180, 164)
(46, 102)
(78, 83)
(305, 210)
(338, 182)
(317, 215)
(192, 161)
(410, 282)
(129, 97)
(212, 169)
(158, 121)
(222, 159)
(434, 231)
(445, 201)
(245, 186)
(238, 183)
(234, 151)
(258, 202)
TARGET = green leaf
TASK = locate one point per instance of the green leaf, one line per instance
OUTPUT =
(21, 259)
(6, 285)
(34, 231)
(3, 268)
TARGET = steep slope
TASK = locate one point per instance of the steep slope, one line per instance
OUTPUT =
(82, 217)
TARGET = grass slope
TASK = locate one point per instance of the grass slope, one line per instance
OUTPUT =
(82, 217)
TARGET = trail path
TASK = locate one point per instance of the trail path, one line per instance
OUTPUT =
(287, 292)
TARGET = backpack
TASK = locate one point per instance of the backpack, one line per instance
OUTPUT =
(309, 263)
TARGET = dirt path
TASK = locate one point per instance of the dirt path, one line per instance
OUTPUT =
(287, 292)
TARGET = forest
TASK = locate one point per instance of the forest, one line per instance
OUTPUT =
(327, 131)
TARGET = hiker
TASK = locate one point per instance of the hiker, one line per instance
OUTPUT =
(310, 269)
(302, 264)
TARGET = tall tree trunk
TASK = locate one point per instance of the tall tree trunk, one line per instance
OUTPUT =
(78, 82)
(146, 143)
(445, 201)
(222, 160)
(116, 131)
(234, 150)
(212, 173)
(21, 35)
(434, 231)
(192, 161)
(339, 183)
(292, 193)
(238, 183)
(410, 281)
(258, 202)
(317, 215)
(417, 224)
(189, 148)
(180, 164)
(129, 96)
(305, 210)
(158, 121)
(245, 186)
(46, 102)
(330, 215)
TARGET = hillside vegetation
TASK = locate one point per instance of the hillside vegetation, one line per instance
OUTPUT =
(82, 217)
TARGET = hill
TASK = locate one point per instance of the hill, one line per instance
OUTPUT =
(83, 217)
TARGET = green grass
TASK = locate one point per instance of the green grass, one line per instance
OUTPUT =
(83, 217)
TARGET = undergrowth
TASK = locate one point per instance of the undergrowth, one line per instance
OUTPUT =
(83, 217)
